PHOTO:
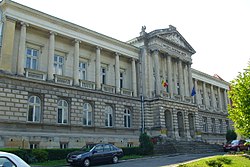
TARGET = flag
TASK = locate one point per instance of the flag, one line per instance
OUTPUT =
(193, 92)
(164, 83)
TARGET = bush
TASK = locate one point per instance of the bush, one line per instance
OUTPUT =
(40, 155)
(146, 146)
(131, 151)
(214, 163)
(224, 160)
(231, 135)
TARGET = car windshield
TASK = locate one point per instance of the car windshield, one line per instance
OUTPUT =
(235, 142)
(87, 147)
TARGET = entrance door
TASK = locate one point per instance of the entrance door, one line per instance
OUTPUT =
(180, 124)
(191, 125)
(168, 123)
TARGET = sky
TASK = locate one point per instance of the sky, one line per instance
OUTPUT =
(218, 30)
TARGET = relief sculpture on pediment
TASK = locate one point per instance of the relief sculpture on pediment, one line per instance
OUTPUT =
(176, 39)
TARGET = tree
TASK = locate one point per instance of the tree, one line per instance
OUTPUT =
(239, 111)
(231, 135)
(146, 146)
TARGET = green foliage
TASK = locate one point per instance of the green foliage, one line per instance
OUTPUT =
(224, 160)
(40, 155)
(231, 135)
(131, 151)
(214, 163)
(146, 144)
(239, 93)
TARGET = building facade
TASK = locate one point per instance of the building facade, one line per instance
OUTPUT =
(62, 85)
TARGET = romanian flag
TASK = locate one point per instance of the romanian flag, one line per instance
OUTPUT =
(164, 83)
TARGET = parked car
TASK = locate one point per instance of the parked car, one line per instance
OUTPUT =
(236, 145)
(11, 160)
(97, 153)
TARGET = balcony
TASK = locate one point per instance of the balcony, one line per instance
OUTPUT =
(126, 92)
(63, 79)
(87, 84)
(35, 74)
(164, 94)
(177, 97)
(108, 88)
(201, 106)
(188, 99)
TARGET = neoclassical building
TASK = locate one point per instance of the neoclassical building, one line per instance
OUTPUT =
(64, 86)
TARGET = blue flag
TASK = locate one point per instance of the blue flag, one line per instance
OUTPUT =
(193, 92)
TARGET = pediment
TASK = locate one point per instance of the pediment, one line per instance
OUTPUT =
(171, 35)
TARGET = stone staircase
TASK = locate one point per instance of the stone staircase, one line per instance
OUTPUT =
(183, 147)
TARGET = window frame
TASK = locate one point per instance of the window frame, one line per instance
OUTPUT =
(87, 112)
(109, 116)
(127, 117)
(32, 57)
(83, 70)
(34, 106)
(63, 112)
(57, 63)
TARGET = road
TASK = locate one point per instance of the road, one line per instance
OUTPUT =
(160, 161)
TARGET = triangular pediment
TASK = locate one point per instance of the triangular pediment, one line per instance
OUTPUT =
(171, 35)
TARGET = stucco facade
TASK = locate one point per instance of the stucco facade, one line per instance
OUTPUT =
(62, 85)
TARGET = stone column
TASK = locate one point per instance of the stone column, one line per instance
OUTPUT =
(190, 80)
(170, 80)
(175, 77)
(157, 72)
(219, 98)
(143, 73)
(213, 96)
(8, 36)
(175, 125)
(76, 63)
(21, 50)
(134, 78)
(180, 71)
(225, 97)
(186, 81)
(196, 90)
(117, 72)
(98, 68)
(205, 93)
(150, 81)
(51, 55)
(164, 72)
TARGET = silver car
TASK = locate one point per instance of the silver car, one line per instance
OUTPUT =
(11, 160)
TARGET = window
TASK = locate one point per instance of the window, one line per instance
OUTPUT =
(127, 118)
(106, 148)
(210, 99)
(6, 162)
(202, 97)
(108, 116)
(62, 112)
(34, 109)
(220, 125)
(121, 79)
(63, 145)
(130, 144)
(82, 71)
(87, 114)
(33, 145)
(58, 64)
(204, 124)
(178, 88)
(31, 58)
(213, 127)
(217, 100)
(99, 149)
(103, 75)
(227, 125)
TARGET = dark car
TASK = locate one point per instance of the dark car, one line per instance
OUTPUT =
(236, 145)
(97, 153)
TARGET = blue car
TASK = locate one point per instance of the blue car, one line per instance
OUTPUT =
(97, 153)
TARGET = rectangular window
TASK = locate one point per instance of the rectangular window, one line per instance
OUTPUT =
(32, 58)
(220, 124)
(58, 64)
(227, 125)
(129, 144)
(83, 70)
(63, 145)
(213, 127)
(209, 98)
(202, 97)
(103, 75)
(204, 124)
(121, 79)
(178, 89)
(217, 100)
(33, 145)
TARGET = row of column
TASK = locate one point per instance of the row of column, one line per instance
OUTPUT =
(21, 60)
(185, 78)
(213, 98)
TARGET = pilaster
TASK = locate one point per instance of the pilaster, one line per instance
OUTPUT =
(180, 71)
(134, 83)
(170, 79)
(98, 68)
(76, 63)
(157, 72)
(117, 72)
(51, 55)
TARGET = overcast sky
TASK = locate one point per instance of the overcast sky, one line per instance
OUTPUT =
(218, 30)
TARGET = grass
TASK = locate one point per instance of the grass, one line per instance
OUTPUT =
(63, 161)
(225, 160)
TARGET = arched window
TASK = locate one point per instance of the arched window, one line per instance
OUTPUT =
(87, 114)
(108, 116)
(34, 109)
(62, 112)
(127, 118)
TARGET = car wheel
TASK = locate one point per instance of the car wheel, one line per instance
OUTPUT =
(115, 159)
(86, 162)
(238, 149)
